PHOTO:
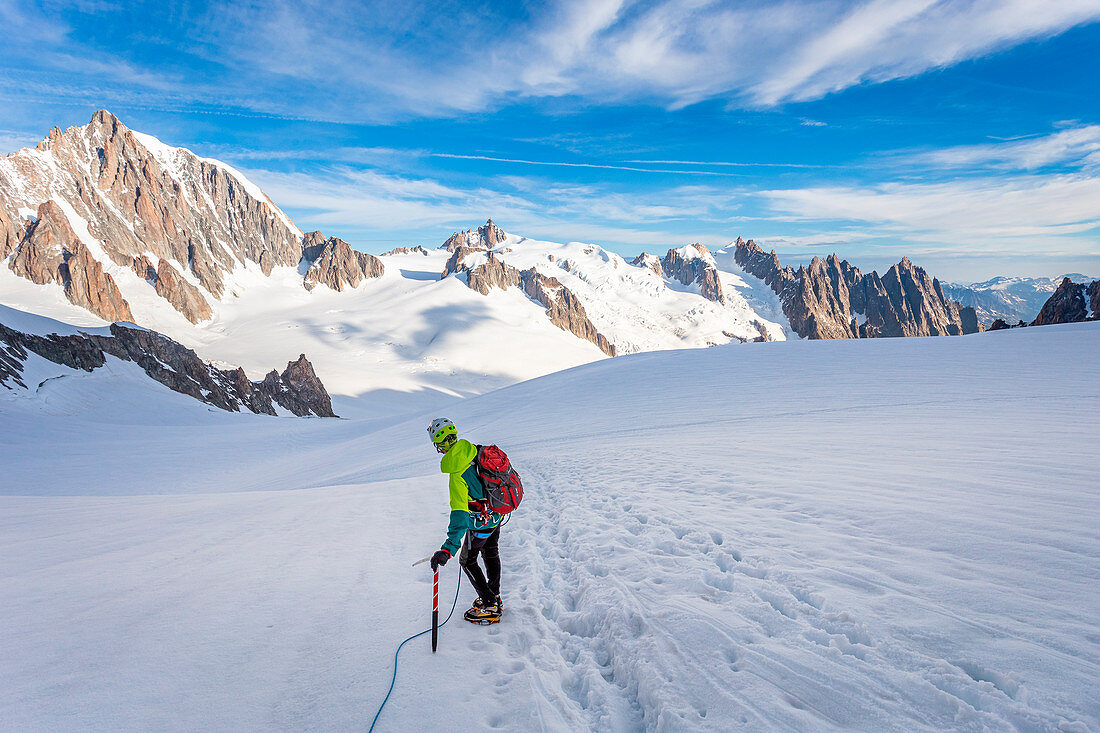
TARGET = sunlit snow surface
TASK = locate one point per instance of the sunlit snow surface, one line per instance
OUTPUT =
(879, 535)
(408, 338)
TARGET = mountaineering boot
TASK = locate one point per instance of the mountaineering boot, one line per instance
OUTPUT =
(478, 603)
(483, 613)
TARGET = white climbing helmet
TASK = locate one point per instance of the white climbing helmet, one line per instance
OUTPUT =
(440, 428)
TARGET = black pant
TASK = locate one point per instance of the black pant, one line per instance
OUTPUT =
(487, 547)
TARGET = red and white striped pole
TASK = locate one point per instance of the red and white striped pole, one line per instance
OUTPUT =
(435, 610)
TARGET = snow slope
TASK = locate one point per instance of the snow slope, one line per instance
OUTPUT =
(879, 535)
(407, 340)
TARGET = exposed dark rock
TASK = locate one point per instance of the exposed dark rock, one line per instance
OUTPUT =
(42, 252)
(999, 325)
(312, 245)
(454, 264)
(487, 236)
(406, 251)
(298, 389)
(694, 264)
(144, 269)
(1093, 291)
(336, 264)
(50, 252)
(1067, 304)
(183, 296)
(493, 273)
(267, 263)
(87, 285)
(824, 299)
(9, 233)
(564, 308)
(173, 287)
(653, 262)
(137, 197)
(1008, 298)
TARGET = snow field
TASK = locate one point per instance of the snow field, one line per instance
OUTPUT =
(881, 535)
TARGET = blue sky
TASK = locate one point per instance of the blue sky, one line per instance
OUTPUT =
(964, 134)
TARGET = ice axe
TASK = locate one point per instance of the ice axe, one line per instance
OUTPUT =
(435, 603)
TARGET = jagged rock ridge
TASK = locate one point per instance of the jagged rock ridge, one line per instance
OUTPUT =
(563, 307)
(117, 198)
(297, 389)
(486, 236)
(1071, 303)
(406, 251)
(51, 253)
(1010, 299)
(826, 299)
(694, 264)
(335, 263)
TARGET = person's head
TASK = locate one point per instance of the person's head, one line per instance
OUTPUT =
(443, 433)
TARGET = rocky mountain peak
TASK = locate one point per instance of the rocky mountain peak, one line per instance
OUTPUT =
(653, 262)
(128, 195)
(1068, 304)
(487, 236)
(694, 264)
(829, 298)
(334, 263)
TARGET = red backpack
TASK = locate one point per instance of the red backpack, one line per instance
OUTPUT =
(503, 488)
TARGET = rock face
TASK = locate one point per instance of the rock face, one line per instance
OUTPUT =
(9, 234)
(653, 262)
(487, 236)
(694, 264)
(87, 285)
(335, 264)
(418, 250)
(1009, 298)
(50, 252)
(42, 253)
(126, 195)
(563, 307)
(297, 389)
(1068, 304)
(183, 296)
(828, 298)
(492, 274)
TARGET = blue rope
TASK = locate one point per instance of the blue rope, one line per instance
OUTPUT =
(425, 631)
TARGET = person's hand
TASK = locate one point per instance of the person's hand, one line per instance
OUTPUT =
(440, 558)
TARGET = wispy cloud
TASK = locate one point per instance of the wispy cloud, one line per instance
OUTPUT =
(342, 60)
(12, 140)
(363, 205)
(563, 164)
(1079, 146)
(719, 163)
(968, 212)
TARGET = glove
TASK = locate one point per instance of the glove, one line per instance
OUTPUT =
(440, 558)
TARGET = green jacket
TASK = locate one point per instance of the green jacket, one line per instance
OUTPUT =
(465, 487)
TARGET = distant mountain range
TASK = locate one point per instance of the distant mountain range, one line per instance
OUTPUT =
(99, 223)
(1011, 299)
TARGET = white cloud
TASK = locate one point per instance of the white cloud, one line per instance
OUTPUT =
(1074, 146)
(342, 201)
(12, 140)
(968, 212)
(352, 61)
